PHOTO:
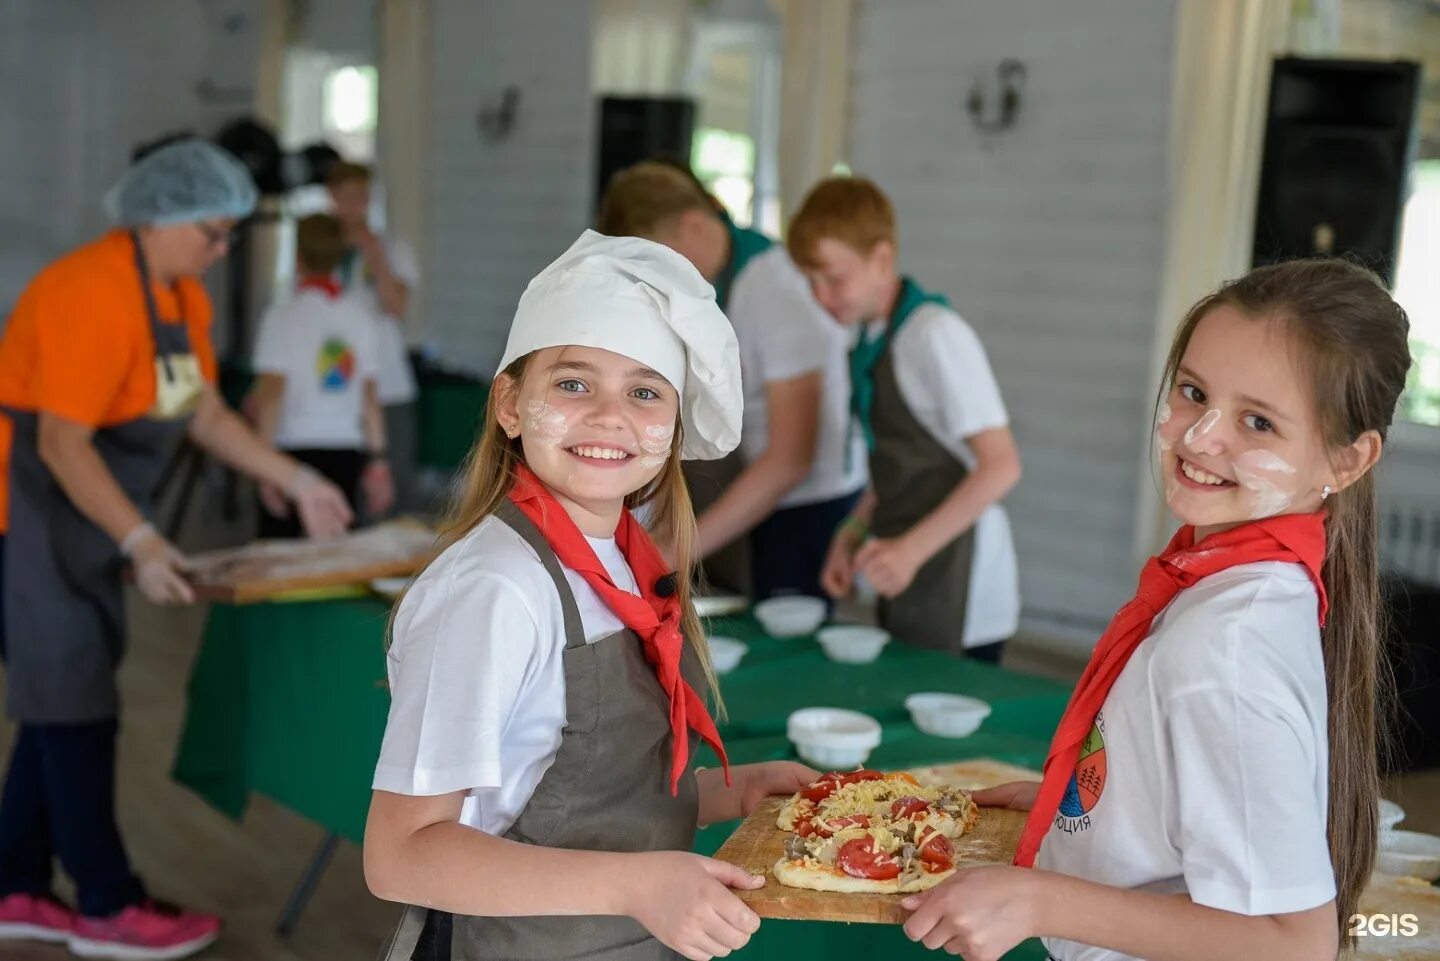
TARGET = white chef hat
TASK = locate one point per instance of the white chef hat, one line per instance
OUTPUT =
(643, 300)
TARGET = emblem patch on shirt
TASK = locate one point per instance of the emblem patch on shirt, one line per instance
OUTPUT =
(335, 365)
(1086, 784)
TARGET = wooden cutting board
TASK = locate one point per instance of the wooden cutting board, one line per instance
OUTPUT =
(757, 844)
(265, 569)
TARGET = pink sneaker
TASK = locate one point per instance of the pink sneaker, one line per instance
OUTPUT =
(25, 917)
(150, 931)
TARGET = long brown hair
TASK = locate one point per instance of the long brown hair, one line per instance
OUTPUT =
(489, 473)
(1353, 340)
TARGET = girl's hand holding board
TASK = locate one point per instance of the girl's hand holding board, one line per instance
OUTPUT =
(750, 785)
(686, 902)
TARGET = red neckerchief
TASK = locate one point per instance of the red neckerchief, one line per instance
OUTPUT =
(1296, 538)
(326, 284)
(656, 619)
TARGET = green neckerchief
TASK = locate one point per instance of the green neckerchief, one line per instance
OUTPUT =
(869, 349)
(353, 271)
(744, 245)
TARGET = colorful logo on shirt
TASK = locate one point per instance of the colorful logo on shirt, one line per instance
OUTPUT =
(335, 365)
(1086, 784)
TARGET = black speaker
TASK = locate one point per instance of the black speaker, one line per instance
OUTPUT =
(633, 129)
(1339, 140)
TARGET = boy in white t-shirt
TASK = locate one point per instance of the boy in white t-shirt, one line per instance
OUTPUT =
(317, 361)
(381, 272)
(929, 535)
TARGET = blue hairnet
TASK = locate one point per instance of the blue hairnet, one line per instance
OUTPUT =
(182, 182)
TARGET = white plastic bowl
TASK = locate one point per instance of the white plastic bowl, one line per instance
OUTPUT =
(833, 738)
(1391, 814)
(793, 616)
(1409, 854)
(852, 643)
(946, 715)
(726, 652)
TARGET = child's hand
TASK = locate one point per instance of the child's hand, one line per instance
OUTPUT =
(378, 485)
(1017, 795)
(889, 564)
(772, 777)
(684, 900)
(837, 577)
(979, 913)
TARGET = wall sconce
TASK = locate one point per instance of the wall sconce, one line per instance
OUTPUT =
(1010, 80)
(496, 122)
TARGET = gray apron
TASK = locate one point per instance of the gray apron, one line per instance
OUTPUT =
(608, 790)
(64, 599)
(912, 473)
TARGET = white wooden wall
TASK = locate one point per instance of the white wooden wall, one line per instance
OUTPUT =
(82, 82)
(1047, 238)
(498, 212)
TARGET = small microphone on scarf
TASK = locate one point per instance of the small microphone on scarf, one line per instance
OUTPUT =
(667, 585)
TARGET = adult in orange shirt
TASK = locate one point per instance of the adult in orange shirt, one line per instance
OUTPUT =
(105, 364)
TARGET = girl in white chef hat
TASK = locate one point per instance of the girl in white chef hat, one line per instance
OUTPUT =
(535, 795)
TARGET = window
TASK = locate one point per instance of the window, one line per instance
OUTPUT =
(350, 108)
(1417, 289)
(734, 76)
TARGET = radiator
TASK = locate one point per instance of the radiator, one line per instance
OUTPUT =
(1410, 539)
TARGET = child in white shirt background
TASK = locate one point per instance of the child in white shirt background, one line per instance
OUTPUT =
(317, 361)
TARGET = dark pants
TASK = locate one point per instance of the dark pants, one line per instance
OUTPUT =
(59, 799)
(787, 549)
(341, 467)
(989, 653)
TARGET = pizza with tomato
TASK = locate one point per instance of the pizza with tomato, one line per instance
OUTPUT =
(863, 831)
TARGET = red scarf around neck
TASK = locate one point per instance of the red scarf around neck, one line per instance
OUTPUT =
(326, 284)
(656, 619)
(1295, 538)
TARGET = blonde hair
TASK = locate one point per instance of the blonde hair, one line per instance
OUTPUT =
(490, 471)
(852, 210)
(646, 198)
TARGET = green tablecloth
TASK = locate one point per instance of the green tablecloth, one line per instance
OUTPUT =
(288, 700)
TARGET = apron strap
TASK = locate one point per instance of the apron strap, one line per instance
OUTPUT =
(152, 312)
(522, 525)
(407, 935)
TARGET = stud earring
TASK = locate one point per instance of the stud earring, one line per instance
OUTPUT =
(1326, 491)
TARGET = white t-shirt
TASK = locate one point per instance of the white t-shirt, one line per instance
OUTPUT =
(946, 381)
(397, 380)
(784, 333)
(477, 676)
(326, 348)
(1207, 773)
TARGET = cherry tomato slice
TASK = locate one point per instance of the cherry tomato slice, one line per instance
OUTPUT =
(822, 788)
(860, 859)
(937, 853)
(909, 807)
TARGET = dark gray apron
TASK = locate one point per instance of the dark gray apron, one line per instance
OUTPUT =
(64, 600)
(608, 790)
(912, 473)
